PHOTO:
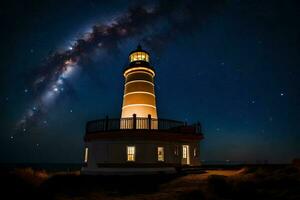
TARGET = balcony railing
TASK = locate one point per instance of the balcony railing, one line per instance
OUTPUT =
(108, 124)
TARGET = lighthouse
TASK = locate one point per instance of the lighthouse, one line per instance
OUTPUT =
(139, 95)
(139, 141)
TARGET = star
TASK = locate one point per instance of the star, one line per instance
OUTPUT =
(71, 111)
(25, 90)
(281, 94)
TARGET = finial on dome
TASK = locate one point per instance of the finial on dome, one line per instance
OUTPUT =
(139, 47)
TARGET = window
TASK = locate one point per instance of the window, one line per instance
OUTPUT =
(139, 56)
(184, 152)
(195, 152)
(160, 153)
(130, 153)
(176, 152)
(86, 151)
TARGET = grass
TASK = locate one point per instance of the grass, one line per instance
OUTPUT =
(252, 182)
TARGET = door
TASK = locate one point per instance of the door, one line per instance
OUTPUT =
(185, 155)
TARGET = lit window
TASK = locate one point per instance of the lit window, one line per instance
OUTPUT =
(86, 151)
(184, 152)
(130, 153)
(160, 153)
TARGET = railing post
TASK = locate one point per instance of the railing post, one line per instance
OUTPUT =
(106, 122)
(149, 122)
(134, 121)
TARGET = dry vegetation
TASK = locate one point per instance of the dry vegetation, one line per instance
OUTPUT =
(264, 182)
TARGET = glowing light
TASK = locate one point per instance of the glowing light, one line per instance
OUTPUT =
(281, 94)
(160, 153)
(136, 56)
(139, 92)
(186, 153)
(132, 70)
(55, 89)
(138, 105)
(134, 81)
(71, 48)
(130, 153)
(86, 154)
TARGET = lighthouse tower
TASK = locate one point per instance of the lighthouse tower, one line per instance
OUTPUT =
(139, 96)
(139, 142)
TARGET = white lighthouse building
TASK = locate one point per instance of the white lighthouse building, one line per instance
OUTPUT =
(139, 141)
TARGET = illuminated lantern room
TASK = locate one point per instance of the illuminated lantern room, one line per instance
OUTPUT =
(139, 96)
(139, 55)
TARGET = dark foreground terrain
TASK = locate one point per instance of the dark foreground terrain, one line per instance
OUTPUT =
(251, 182)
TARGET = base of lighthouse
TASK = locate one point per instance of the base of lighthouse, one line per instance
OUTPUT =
(140, 152)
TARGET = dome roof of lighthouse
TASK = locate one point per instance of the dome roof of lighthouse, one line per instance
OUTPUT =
(139, 49)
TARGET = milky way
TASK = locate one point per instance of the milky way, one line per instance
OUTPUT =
(145, 22)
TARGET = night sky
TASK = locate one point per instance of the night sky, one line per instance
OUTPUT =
(232, 65)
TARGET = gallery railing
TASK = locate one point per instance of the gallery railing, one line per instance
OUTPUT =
(134, 122)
